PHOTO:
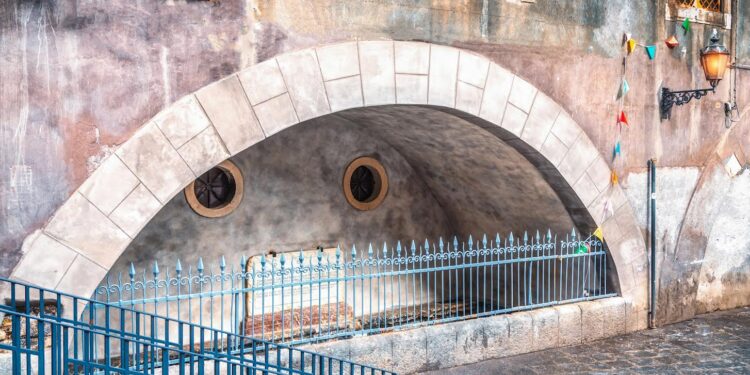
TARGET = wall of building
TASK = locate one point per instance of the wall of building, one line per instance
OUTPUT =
(79, 77)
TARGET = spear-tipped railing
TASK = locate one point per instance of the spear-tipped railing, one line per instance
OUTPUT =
(59, 337)
(327, 293)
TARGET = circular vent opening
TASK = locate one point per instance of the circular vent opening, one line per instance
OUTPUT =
(365, 183)
(217, 192)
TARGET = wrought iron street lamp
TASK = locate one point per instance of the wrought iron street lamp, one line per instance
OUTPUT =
(714, 59)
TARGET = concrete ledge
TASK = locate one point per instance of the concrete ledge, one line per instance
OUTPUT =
(458, 343)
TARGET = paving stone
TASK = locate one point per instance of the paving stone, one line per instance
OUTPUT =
(682, 348)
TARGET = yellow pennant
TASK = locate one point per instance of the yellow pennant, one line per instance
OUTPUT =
(631, 45)
(615, 180)
(598, 234)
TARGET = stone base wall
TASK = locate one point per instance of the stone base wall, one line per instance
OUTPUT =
(458, 343)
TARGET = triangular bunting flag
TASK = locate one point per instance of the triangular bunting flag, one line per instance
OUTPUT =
(624, 88)
(672, 42)
(686, 25)
(625, 38)
(631, 45)
(651, 52)
(608, 209)
(616, 152)
(614, 178)
(622, 119)
(598, 234)
(582, 249)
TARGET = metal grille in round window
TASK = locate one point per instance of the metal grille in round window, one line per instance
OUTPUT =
(217, 192)
(365, 183)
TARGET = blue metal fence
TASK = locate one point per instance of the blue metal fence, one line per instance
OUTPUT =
(67, 339)
(323, 294)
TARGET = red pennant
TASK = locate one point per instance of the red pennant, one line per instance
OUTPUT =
(622, 119)
(672, 42)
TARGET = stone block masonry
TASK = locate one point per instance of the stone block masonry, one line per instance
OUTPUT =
(458, 343)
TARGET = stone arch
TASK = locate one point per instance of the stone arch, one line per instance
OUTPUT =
(87, 234)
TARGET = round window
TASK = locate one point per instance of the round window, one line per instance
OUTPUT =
(365, 183)
(217, 192)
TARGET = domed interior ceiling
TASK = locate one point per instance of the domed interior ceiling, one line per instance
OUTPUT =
(447, 177)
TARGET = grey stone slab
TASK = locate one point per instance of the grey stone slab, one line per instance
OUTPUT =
(305, 83)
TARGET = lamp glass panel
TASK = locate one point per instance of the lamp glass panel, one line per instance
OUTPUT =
(714, 65)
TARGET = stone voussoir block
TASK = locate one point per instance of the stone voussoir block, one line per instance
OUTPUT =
(600, 174)
(344, 93)
(468, 98)
(377, 72)
(338, 60)
(82, 268)
(262, 81)
(542, 116)
(156, 163)
(136, 210)
(227, 106)
(204, 151)
(472, 69)
(443, 76)
(412, 57)
(411, 89)
(182, 120)
(578, 159)
(553, 149)
(109, 184)
(522, 94)
(304, 82)
(514, 119)
(44, 262)
(276, 114)
(496, 93)
(586, 190)
(81, 226)
(566, 129)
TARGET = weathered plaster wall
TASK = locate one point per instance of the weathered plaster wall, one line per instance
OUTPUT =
(78, 78)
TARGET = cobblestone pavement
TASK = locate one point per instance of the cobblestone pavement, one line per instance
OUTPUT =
(717, 343)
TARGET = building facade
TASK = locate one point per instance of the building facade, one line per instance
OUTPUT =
(442, 118)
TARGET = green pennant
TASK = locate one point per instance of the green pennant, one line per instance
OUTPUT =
(582, 249)
(686, 25)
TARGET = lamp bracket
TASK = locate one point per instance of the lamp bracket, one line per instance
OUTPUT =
(670, 98)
